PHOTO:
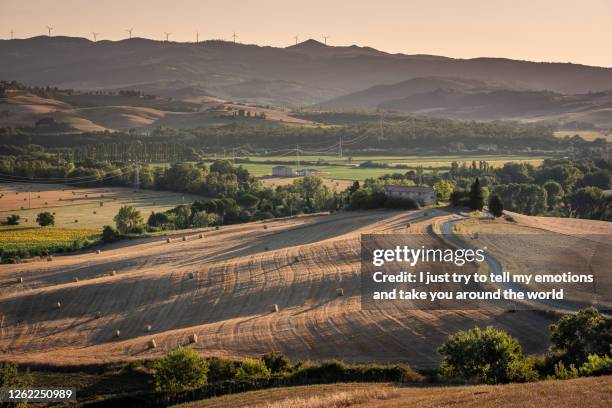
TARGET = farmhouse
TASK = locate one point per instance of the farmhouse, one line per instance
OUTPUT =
(420, 194)
(307, 172)
(282, 171)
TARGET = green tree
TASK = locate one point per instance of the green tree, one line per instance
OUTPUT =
(577, 335)
(180, 370)
(248, 200)
(252, 369)
(109, 234)
(491, 356)
(276, 362)
(496, 207)
(45, 218)
(477, 199)
(585, 202)
(128, 219)
(444, 188)
(554, 194)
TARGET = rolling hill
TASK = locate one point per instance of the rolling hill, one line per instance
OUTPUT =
(303, 74)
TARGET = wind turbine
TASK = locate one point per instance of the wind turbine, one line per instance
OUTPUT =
(325, 37)
(297, 37)
(234, 37)
(129, 30)
(95, 36)
(167, 35)
(197, 37)
(50, 29)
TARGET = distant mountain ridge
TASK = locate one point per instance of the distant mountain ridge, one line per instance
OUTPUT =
(303, 74)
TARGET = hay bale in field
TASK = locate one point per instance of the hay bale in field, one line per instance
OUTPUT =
(98, 315)
(148, 328)
(49, 258)
(191, 275)
(193, 338)
(408, 225)
(217, 227)
(168, 240)
(340, 292)
(296, 259)
(152, 344)
(275, 308)
(76, 221)
(98, 251)
(101, 204)
(265, 227)
(113, 272)
(58, 305)
(20, 280)
(184, 238)
(201, 236)
(95, 212)
(76, 279)
(117, 333)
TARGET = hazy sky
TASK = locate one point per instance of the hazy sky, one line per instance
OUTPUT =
(541, 30)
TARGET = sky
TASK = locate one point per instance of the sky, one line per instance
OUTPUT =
(578, 31)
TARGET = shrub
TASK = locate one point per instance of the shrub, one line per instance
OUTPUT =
(496, 207)
(459, 198)
(400, 203)
(575, 336)
(45, 218)
(597, 365)
(109, 234)
(491, 356)
(251, 369)
(276, 362)
(10, 377)
(337, 371)
(159, 219)
(180, 370)
(13, 219)
(565, 373)
(220, 369)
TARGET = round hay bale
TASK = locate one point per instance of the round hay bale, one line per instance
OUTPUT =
(76, 221)
(98, 315)
(117, 333)
(49, 258)
(46, 203)
(148, 328)
(340, 292)
(408, 225)
(184, 238)
(168, 240)
(191, 275)
(275, 308)
(95, 212)
(38, 196)
(98, 251)
(152, 344)
(20, 280)
(201, 236)
(58, 305)
(76, 279)
(265, 227)
(193, 338)
(216, 227)
(113, 272)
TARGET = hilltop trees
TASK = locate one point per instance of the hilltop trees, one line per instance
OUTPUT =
(180, 370)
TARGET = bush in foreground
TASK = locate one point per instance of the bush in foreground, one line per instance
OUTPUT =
(180, 370)
(490, 356)
(252, 369)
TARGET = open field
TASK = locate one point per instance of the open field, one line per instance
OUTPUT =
(75, 207)
(585, 134)
(338, 185)
(239, 273)
(42, 238)
(581, 392)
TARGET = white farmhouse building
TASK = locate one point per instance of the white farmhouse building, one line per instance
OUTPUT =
(420, 194)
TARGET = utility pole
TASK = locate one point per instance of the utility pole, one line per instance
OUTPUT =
(50, 29)
(297, 37)
(325, 37)
(234, 37)
(12, 32)
(340, 148)
(197, 37)
(129, 30)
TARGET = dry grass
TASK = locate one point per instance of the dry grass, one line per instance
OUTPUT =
(585, 134)
(582, 392)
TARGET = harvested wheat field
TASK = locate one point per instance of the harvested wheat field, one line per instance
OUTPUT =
(591, 392)
(241, 290)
